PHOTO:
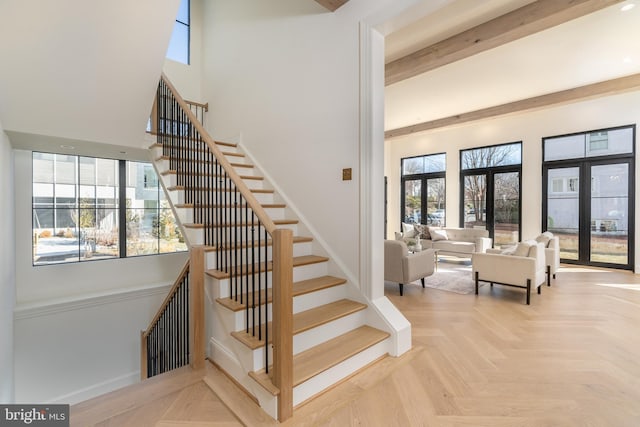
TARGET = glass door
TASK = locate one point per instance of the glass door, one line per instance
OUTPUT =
(412, 201)
(475, 201)
(609, 230)
(592, 221)
(563, 209)
(506, 208)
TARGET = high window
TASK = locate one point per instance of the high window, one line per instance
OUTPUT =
(423, 189)
(80, 203)
(179, 49)
(588, 188)
(490, 191)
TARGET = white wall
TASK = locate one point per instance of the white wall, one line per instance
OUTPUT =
(283, 77)
(77, 325)
(529, 128)
(7, 269)
(74, 349)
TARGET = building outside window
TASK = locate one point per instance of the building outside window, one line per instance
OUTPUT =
(77, 210)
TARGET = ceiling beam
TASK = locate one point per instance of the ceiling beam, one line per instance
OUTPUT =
(530, 19)
(605, 88)
(332, 5)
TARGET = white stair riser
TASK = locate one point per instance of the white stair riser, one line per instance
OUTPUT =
(195, 236)
(185, 215)
(171, 180)
(331, 376)
(299, 273)
(177, 196)
(299, 249)
(324, 296)
(305, 340)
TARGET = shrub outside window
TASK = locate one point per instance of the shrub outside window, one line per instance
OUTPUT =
(77, 210)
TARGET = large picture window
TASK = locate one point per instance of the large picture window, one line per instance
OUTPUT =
(423, 189)
(78, 210)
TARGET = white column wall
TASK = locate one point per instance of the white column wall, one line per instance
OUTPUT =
(7, 269)
(530, 128)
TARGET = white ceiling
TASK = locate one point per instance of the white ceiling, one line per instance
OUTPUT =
(81, 70)
(593, 48)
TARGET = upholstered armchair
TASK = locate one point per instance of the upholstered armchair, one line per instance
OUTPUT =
(524, 267)
(402, 267)
(552, 253)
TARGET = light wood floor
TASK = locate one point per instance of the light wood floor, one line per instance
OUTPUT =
(571, 358)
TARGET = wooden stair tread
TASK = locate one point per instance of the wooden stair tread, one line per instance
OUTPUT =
(243, 245)
(299, 288)
(241, 224)
(175, 172)
(318, 359)
(241, 205)
(215, 189)
(225, 144)
(304, 321)
(297, 262)
(237, 165)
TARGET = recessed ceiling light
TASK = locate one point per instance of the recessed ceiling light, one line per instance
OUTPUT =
(68, 147)
(627, 7)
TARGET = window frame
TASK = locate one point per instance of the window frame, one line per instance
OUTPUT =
(120, 207)
(424, 178)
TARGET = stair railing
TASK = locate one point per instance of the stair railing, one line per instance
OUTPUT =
(165, 343)
(238, 230)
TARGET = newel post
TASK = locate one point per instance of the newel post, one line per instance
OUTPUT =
(283, 321)
(196, 308)
(143, 356)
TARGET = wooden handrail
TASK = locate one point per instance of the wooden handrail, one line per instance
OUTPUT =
(267, 222)
(205, 107)
(167, 299)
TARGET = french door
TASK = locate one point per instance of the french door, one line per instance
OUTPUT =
(423, 200)
(491, 200)
(589, 206)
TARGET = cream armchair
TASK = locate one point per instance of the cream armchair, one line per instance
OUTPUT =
(552, 253)
(524, 268)
(402, 267)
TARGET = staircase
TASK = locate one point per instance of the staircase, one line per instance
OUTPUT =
(246, 322)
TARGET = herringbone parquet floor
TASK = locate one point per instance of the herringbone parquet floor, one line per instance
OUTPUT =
(571, 358)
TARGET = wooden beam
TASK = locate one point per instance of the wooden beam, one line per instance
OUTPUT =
(332, 5)
(605, 88)
(527, 20)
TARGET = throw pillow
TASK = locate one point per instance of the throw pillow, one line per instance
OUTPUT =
(408, 231)
(422, 231)
(522, 249)
(509, 250)
(544, 239)
(438, 235)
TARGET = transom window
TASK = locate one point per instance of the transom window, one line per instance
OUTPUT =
(87, 208)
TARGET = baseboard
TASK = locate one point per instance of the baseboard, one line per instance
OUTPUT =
(98, 389)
